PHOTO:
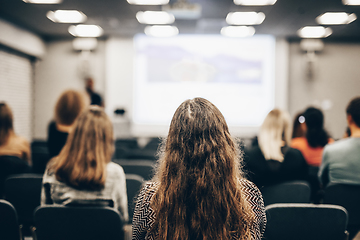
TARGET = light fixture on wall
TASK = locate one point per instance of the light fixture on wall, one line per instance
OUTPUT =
(66, 16)
(155, 17)
(254, 2)
(83, 30)
(245, 18)
(311, 47)
(237, 31)
(161, 31)
(336, 18)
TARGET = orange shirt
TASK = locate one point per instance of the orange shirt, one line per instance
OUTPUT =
(313, 156)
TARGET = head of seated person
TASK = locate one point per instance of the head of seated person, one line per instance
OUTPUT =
(353, 117)
(68, 107)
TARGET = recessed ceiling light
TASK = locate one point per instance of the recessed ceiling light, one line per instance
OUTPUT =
(238, 31)
(148, 2)
(161, 31)
(335, 18)
(351, 2)
(83, 30)
(155, 17)
(245, 18)
(43, 1)
(254, 2)
(66, 16)
(314, 32)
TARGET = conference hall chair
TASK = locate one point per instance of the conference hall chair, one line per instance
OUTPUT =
(287, 192)
(77, 223)
(347, 196)
(10, 165)
(40, 156)
(9, 227)
(133, 186)
(23, 191)
(296, 221)
(143, 168)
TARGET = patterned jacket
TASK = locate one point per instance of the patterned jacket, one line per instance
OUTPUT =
(144, 215)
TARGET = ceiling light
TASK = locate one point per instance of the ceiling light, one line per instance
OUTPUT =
(43, 1)
(155, 17)
(314, 32)
(66, 16)
(148, 2)
(83, 30)
(334, 18)
(245, 18)
(351, 2)
(237, 31)
(254, 2)
(161, 31)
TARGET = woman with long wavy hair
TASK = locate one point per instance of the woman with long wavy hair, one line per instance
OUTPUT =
(199, 191)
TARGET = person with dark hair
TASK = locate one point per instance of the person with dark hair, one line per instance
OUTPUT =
(95, 98)
(316, 137)
(297, 129)
(341, 160)
(68, 108)
(273, 161)
(199, 191)
(10, 143)
(82, 173)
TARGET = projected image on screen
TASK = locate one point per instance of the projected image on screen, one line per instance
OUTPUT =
(237, 75)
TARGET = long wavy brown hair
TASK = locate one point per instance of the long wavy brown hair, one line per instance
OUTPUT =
(199, 194)
(89, 147)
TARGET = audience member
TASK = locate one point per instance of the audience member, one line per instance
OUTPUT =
(273, 161)
(82, 173)
(94, 97)
(10, 143)
(316, 137)
(199, 191)
(297, 129)
(67, 109)
(341, 160)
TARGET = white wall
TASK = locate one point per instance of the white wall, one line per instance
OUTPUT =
(336, 81)
(60, 69)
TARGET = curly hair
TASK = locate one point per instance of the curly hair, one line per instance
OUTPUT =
(199, 194)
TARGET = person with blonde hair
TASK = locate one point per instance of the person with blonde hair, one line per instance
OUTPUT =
(68, 107)
(273, 161)
(199, 191)
(10, 143)
(82, 173)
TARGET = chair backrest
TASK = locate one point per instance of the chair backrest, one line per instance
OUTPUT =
(77, 223)
(9, 227)
(133, 186)
(347, 196)
(23, 191)
(287, 192)
(305, 222)
(143, 168)
(10, 165)
(40, 156)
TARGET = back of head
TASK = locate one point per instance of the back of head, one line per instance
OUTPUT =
(353, 109)
(297, 130)
(274, 133)
(68, 107)
(199, 194)
(89, 147)
(315, 133)
(6, 122)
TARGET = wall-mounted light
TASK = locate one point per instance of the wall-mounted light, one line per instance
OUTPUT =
(83, 30)
(148, 2)
(155, 17)
(314, 32)
(66, 16)
(161, 31)
(255, 2)
(336, 18)
(245, 18)
(237, 31)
